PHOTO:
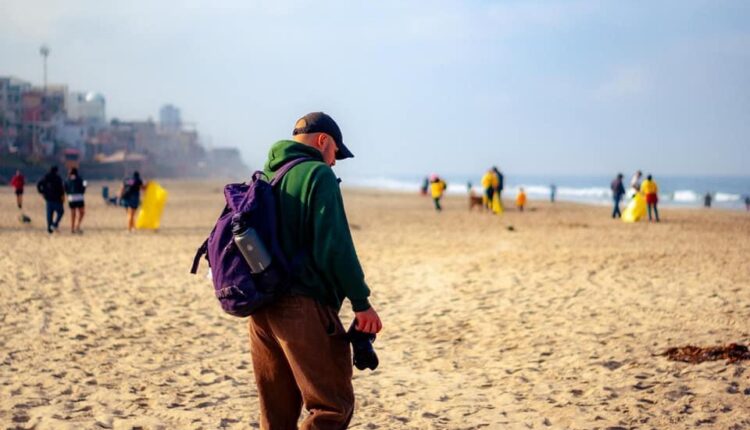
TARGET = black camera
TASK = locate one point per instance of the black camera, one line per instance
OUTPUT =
(364, 353)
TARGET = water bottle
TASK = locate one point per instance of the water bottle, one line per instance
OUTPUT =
(252, 248)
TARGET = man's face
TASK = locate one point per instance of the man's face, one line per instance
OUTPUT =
(328, 148)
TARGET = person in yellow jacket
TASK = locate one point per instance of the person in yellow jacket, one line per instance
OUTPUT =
(437, 188)
(489, 184)
(651, 191)
(521, 199)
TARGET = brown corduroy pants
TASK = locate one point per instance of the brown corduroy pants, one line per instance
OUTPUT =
(301, 356)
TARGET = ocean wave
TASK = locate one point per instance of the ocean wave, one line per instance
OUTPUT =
(724, 197)
(597, 192)
(685, 196)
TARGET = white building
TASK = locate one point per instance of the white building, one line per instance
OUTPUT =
(169, 118)
(90, 107)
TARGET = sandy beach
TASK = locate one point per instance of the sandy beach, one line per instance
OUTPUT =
(558, 323)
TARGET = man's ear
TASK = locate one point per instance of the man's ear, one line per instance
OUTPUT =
(320, 141)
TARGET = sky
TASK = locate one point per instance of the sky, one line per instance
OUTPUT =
(534, 87)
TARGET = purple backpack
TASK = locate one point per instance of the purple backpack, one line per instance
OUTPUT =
(239, 291)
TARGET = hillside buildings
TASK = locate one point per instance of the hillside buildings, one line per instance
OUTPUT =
(53, 125)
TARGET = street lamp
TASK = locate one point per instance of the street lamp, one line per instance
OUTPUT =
(44, 51)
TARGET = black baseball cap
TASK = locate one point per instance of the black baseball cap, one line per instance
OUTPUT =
(319, 122)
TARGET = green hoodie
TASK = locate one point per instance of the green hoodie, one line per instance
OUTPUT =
(312, 220)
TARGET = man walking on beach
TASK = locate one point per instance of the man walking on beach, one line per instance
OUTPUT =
(651, 191)
(300, 349)
(618, 190)
(51, 187)
(437, 189)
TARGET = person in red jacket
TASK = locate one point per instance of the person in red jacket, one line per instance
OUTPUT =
(18, 182)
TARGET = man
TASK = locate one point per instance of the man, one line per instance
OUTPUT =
(437, 189)
(300, 349)
(618, 190)
(51, 187)
(651, 191)
(18, 182)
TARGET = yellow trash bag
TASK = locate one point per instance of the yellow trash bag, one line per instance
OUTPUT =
(636, 209)
(152, 206)
(497, 205)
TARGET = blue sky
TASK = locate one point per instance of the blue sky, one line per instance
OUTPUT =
(536, 87)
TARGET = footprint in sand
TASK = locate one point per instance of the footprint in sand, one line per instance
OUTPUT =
(612, 365)
(640, 386)
(677, 394)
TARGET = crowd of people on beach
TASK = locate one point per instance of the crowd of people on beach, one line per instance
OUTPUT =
(647, 189)
(56, 191)
(643, 192)
(492, 183)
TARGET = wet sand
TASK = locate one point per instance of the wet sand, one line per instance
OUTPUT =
(556, 324)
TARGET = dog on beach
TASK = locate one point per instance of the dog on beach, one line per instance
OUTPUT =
(475, 200)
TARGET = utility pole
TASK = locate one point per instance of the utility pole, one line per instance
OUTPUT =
(36, 128)
(44, 51)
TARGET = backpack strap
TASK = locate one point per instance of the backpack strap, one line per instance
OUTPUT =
(202, 250)
(286, 168)
(297, 260)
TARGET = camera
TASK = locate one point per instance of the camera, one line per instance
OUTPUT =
(364, 353)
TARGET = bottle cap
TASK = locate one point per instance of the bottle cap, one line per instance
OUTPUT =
(238, 226)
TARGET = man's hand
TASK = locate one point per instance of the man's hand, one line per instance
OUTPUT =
(368, 321)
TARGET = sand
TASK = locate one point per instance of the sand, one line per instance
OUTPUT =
(558, 324)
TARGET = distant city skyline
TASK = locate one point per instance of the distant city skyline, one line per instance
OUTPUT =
(554, 88)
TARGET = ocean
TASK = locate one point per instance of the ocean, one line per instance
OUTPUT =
(686, 191)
